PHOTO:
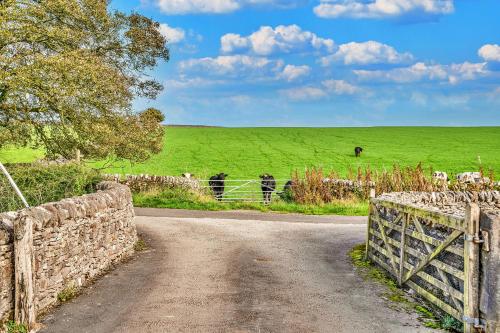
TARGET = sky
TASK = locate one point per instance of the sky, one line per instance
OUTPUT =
(327, 63)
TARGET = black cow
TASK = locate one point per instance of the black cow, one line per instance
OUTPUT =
(216, 183)
(287, 193)
(358, 151)
(268, 186)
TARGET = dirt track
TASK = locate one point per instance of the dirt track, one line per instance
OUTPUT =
(225, 275)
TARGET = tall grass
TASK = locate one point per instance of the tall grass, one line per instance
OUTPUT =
(318, 187)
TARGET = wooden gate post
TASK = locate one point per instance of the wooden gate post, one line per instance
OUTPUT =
(370, 212)
(471, 268)
(24, 306)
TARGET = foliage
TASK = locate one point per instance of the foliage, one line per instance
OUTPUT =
(181, 199)
(69, 71)
(67, 294)
(311, 188)
(140, 245)
(13, 327)
(46, 183)
(245, 153)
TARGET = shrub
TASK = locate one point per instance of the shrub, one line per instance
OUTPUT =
(46, 183)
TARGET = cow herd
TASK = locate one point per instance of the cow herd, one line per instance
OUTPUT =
(217, 184)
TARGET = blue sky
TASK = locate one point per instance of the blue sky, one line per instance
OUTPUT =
(327, 62)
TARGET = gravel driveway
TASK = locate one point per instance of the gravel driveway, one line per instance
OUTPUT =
(232, 275)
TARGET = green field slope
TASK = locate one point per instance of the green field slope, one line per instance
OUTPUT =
(247, 152)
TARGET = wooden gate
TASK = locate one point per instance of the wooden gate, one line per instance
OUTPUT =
(435, 254)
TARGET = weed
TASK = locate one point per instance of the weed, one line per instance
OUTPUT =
(13, 327)
(140, 245)
(67, 294)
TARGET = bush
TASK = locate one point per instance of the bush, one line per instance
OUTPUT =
(46, 183)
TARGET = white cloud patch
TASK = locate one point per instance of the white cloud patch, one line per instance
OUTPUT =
(490, 52)
(282, 39)
(198, 6)
(180, 7)
(172, 35)
(327, 88)
(291, 72)
(381, 8)
(233, 65)
(370, 52)
(340, 87)
(420, 71)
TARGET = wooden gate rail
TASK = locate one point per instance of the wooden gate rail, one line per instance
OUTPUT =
(435, 254)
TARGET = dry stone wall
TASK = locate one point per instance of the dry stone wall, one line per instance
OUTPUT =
(74, 240)
(138, 183)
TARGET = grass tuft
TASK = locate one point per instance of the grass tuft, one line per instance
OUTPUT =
(140, 245)
(67, 294)
(13, 327)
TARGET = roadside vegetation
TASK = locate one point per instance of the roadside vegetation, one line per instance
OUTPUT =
(182, 199)
(46, 183)
(428, 315)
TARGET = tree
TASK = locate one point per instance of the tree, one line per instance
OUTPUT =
(69, 71)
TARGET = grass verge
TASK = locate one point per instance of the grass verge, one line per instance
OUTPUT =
(181, 199)
(13, 327)
(395, 294)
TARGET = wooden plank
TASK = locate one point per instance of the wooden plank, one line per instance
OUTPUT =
(437, 217)
(436, 262)
(471, 267)
(402, 252)
(381, 263)
(454, 235)
(423, 275)
(441, 274)
(388, 248)
(434, 300)
(24, 304)
(422, 237)
(369, 226)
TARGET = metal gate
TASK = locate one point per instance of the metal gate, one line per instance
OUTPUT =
(245, 190)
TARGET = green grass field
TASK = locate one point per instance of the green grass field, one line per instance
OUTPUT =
(247, 152)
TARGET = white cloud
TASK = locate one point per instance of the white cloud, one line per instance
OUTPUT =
(304, 93)
(291, 72)
(490, 52)
(282, 39)
(327, 88)
(179, 7)
(186, 82)
(381, 8)
(340, 87)
(370, 52)
(198, 6)
(173, 35)
(233, 65)
(420, 71)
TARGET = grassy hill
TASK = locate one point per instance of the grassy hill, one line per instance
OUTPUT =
(247, 152)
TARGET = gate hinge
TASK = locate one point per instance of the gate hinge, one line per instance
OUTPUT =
(481, 238)
(478, 323)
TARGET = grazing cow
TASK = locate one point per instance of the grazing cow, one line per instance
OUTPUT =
(268, 186)
(471, 178)
(216, 183)
(288, 186)
(187, 175)
(440, 176)
(357, 151)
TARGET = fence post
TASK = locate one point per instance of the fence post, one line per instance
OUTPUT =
(402, 252)
(24, 305)
(370, 211)
(471, 268)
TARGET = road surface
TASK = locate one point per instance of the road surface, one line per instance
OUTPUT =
(228, 274)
